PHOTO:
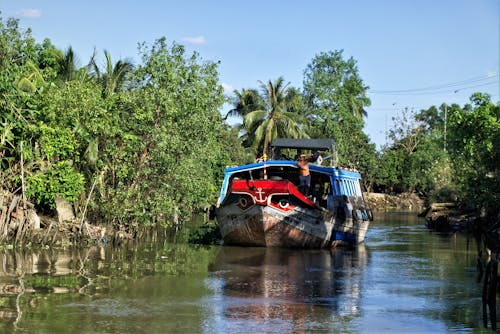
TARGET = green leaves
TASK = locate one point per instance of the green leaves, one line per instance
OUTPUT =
(276, 113)
(336, 99)
(473, 143)
(60, 179)
(461, 163)
(332, 83)
(57, 143)
(153, 134)
(165, 160)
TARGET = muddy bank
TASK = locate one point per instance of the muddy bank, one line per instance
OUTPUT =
(21, 225)
(404, 201)
(449, 218)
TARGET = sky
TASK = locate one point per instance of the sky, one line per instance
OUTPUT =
(412, 54)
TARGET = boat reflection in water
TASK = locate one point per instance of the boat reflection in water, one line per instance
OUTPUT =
(290, 290)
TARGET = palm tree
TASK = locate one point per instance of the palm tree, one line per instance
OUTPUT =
(114, 77)
(67, 66)
(246, 101)
(276, 118)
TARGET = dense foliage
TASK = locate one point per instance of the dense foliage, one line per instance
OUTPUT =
(337, 97)
(330, 106)
(447, 153)
(474, 146)
(147, 144)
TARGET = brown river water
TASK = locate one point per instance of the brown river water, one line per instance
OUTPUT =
(404, 279)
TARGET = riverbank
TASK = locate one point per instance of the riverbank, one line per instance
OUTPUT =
(442, 217)
(404, 201)
(449, 218)
(21, 225)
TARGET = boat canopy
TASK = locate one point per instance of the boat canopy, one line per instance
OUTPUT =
(306, 144)
(324, 144)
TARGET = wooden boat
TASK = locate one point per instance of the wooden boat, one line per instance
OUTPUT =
(260, 204)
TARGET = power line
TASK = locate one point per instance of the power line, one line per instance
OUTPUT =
(433, 92)
(424, 90)
(441, 86)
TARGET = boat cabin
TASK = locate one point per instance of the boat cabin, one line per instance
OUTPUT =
(329, 184)
(262, 204)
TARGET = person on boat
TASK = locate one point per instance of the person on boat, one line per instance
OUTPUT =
(316, 158)
(304, 174)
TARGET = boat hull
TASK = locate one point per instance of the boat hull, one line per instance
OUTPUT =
(268, 226)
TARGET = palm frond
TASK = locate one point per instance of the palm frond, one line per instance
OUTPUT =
(253, 118)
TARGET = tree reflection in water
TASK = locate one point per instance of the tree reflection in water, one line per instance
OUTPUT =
(24, 273)
(408, 280)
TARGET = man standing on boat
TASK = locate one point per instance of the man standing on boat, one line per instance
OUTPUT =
(304, 175)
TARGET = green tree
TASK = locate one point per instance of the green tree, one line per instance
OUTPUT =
(114, 76)
(168, 153)
(332, 84)
(416, 161)
(468, 170)
(390, 170)
(336, 99)
(17, 59)
(435, 180)
(155, 150)
(66, 118)
(474, 144)
(275, 120)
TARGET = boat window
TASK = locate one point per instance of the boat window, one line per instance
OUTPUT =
(328, 187)
(337, 187)
(358, 188)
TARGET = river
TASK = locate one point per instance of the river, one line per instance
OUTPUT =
(404, 279)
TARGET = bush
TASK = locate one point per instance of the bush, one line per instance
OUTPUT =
(60, 179)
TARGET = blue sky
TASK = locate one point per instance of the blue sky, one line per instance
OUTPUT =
(412, 54)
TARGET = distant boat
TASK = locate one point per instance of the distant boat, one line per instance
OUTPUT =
(260, 204)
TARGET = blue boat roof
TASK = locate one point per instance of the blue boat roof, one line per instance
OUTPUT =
(337, 171)
(334, 172)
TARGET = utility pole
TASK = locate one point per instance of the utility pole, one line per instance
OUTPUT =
(385, 130)
(445, 116)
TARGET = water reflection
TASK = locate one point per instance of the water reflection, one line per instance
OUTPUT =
(28, 276)
(407, 279)
(140, 288)
(271, 289)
